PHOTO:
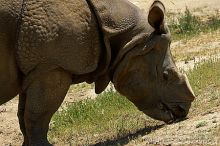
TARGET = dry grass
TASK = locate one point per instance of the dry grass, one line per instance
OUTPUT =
(206, 44)
(193, 36)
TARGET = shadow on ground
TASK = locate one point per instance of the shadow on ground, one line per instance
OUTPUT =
(123, 140)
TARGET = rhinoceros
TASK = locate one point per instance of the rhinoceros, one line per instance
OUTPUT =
(47, 45)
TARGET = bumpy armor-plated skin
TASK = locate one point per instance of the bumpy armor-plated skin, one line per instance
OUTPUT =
(9, 74)
(62, 33)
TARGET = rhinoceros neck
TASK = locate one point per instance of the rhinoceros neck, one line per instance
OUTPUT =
(119, 22)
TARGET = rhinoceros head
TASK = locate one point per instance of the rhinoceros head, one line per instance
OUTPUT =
(148, 76)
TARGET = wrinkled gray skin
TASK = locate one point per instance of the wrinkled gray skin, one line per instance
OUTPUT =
(47, 45)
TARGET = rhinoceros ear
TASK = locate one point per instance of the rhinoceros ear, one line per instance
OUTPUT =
(156, 15)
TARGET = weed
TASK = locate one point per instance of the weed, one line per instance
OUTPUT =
(188, 25)
(201, 124)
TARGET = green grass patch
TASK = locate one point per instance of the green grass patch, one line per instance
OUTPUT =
(205, 75)
(201, 124)
(108, 117)
(188, 25)
(205, 81)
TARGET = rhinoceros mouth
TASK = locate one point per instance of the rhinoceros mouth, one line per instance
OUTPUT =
(162, 112)
(168, 111)
(175, 113)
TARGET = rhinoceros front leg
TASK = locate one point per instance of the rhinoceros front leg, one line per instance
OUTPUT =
(43, 98)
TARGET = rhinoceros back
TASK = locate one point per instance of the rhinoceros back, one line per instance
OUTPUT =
(61, 32)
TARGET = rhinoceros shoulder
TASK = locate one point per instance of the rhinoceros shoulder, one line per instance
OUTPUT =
(115, 16)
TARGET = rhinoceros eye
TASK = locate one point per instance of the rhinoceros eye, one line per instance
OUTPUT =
(165, 75)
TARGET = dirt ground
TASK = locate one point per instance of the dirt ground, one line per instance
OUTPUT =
(206, 6)
(183, 133)
(188, 132)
